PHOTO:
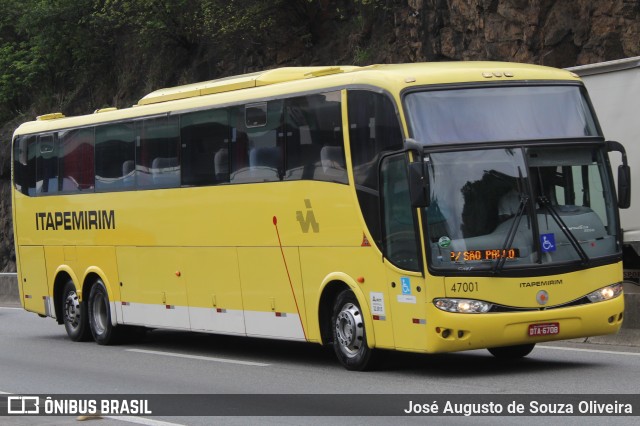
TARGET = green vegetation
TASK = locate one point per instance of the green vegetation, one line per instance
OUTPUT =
(56, 53)
(78, 55)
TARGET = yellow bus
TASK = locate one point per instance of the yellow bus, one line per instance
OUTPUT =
(418, 207)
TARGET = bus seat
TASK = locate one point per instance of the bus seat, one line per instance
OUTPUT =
(264, 164)
(69, 184)
(221, 165)
(128, 175)
(333, 163)
(266, 156)
(165, 171)
(128, 167)
(332, 158)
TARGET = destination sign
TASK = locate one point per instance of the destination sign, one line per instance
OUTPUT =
(489, 254)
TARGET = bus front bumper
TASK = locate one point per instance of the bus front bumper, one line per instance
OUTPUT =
(457, 332)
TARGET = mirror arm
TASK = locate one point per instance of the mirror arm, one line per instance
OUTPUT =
(413, 146)
(617, 147)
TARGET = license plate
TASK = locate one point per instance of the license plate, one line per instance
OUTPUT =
(546, 329)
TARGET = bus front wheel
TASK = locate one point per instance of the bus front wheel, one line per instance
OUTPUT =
(74, 314)
(349, 334)
(512, 352)
(103, 331)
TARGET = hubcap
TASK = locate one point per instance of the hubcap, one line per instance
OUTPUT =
(99, 317)
(72, 310)
(350, 330)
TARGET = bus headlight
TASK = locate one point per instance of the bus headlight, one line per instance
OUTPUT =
(606, 293)
(463, 306)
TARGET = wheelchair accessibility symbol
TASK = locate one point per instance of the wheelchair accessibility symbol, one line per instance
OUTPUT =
(406, 285)
(547, 243)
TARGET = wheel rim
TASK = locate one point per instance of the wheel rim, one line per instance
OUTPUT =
(100, 316)
(72, 310)
(350, 330)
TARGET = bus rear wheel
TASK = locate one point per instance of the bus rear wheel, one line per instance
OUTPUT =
(74, 314)
(103, 331)
(512, 352)
(349, 334)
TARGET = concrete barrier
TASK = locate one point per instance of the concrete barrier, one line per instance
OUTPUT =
(631, 306)
(9, 295)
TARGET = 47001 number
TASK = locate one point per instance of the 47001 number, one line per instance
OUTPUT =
(468, 287)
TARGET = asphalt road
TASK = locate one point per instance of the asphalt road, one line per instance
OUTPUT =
(36, 357)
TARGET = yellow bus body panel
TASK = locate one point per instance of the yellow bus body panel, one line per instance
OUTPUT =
(33, 279)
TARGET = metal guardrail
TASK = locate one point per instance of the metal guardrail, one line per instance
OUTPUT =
(8, 274)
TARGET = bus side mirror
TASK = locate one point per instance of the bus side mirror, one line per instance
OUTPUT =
(624, 186)
(624, 175)
(418, 185)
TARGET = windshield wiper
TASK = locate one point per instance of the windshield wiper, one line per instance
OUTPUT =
(511, 234)
(544, 202)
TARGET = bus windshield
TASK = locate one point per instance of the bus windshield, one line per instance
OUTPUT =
(490, 114)
(511, 208)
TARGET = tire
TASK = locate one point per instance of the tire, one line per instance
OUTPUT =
(74, 314)
(103, 331)
(512, 352)
(349, 334)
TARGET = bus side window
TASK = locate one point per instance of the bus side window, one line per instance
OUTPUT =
(239, 147)
(328, 132)
(373, 129)
(157, 155)
(314, 143)
(205, 137)
(115, 157)
(302, 156)
(24, 164)
(401, 244)
(76, 160)
(258, 145)
(47, 164)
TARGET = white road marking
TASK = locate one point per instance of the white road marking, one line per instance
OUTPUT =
(141, 421)
(8, 307)
(598, 351)
(201, 358)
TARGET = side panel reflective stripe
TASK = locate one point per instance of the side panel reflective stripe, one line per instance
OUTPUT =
(281, 325)
(156, 315)
(226, 321)
(269, 324)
